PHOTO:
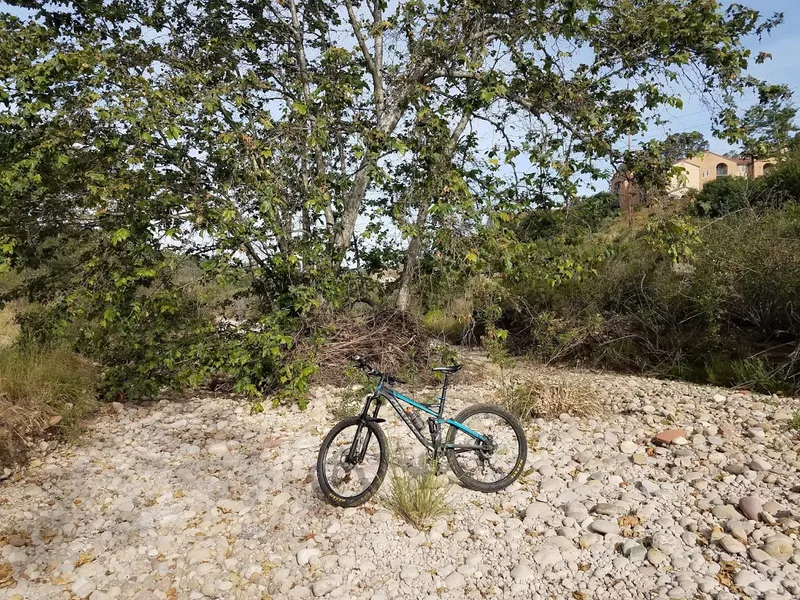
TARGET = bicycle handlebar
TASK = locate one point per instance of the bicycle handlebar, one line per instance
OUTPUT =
(362, 363)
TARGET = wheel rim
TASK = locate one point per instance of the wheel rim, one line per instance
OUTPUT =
(345, 479)
(497, 458)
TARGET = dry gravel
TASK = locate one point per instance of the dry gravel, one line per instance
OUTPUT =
(201, 499)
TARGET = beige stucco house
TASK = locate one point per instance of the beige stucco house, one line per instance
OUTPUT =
(696, 172)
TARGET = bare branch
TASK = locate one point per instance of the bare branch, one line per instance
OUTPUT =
(368, 59)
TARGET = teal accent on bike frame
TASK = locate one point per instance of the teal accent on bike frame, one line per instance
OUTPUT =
(422, 407)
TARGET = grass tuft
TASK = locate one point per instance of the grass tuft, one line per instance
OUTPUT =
(794, 422)
(8, 327)
(49, 389)
(538, 398)
(419, 499)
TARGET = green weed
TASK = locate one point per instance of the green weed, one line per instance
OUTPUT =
(418, 499)
(52, 388)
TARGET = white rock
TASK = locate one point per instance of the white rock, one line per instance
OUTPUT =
(455, 581)
(304, 555)
(83, 587)
(217, 449)
(324, 586)
(522, 573)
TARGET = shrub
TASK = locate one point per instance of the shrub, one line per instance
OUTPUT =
(417, 498)
(38, 390)
(794, 423)
(8, 327)
(538, 398)
(439, 323)
(730, 194)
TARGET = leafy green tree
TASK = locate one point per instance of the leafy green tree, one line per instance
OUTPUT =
(252, 135)
(768, 126)
(684, 145)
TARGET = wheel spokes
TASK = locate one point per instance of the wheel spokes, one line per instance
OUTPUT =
(350, 480)
(494, 460)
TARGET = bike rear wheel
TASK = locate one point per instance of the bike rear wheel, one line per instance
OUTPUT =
(496, 464)
(344, 481)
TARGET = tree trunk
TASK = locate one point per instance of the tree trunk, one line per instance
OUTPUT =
(410, 263)
(414, 244)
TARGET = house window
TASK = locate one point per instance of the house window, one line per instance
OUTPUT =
(722, 170)
(768, 168)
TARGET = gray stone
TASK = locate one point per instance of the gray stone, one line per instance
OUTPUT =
(548, 555)
(648, 487)
(304, 555)
(750, 507)
(628, 447)
(82, 587)
(744, 578)
(636, 553)
(759, 555)
(538, 510)
(725, 512)
(217, 449)
(734, 468)
(732, 545)
(607, 509)
(576, 510)
(604, 527)
(455, 581)
(760, 464)
(656, 557)
(779, 547)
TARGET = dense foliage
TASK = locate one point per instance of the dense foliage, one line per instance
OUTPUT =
(684, 290)
(181, 182)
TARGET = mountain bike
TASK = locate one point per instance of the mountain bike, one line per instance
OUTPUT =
(485, 446)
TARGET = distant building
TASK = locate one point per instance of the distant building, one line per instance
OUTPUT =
(697, 172)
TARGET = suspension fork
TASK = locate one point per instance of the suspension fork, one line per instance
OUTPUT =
(364, 417)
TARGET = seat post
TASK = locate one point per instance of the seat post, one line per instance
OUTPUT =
(444, 395)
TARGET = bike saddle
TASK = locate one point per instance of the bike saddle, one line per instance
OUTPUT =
(450, 369)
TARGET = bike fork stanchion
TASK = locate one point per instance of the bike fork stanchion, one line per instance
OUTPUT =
(369, 431)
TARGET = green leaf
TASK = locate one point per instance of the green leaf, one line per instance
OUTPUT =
(120, 235)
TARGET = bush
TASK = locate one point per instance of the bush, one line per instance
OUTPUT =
(540, 398)
(50, 389)
(440, 324)
(8, 327)
(730, 194)
(708, 300)
(794, 423)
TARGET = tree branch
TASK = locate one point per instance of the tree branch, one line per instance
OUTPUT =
(371, 66)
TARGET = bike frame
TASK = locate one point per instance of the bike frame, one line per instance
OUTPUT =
(435, 421)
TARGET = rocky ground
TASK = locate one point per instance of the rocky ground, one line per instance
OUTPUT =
(201, 499)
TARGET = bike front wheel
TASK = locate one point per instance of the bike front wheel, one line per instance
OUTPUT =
(492, 465)
(352, 462)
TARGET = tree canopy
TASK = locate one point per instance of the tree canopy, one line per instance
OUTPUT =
(768, 126)
(252, 136)
(684, 145)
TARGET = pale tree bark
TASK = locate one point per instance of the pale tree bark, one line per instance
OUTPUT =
(415, 241)
(390, 105)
